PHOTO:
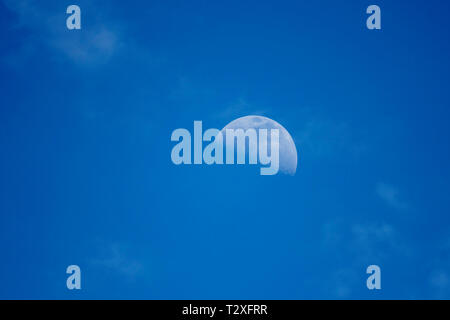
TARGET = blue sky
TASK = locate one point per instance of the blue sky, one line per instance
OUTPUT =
(86, 176)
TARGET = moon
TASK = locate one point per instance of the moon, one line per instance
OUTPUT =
(287, 149)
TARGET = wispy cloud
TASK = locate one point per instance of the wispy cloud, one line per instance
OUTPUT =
(375, 241)
(439, 274)
(367, 243)
(115, 258)
(319, 135)
(391, 196)
(48, 30)
(440, 280)
(364, 239)
(240, 108)
(322, 136)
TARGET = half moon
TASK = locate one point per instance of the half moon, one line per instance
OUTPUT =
(287, 149)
